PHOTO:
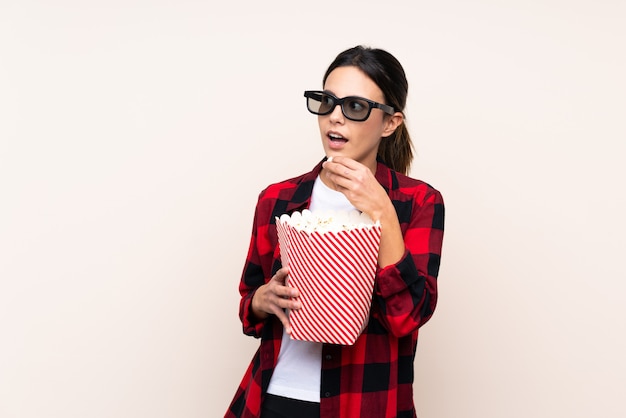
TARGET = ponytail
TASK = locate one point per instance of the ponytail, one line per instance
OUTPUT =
(396, 150)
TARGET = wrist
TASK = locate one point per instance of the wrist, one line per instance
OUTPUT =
(257, 312)
(385, 214)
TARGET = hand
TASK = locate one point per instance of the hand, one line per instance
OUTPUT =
(358, 184)
(274, 297)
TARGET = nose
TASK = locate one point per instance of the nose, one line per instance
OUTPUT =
(336, 116)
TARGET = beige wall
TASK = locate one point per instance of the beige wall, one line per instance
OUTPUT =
(135, 137)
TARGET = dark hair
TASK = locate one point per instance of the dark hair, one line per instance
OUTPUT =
(386, 71)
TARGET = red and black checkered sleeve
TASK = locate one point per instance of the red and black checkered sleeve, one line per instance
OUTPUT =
(406, 292)
(257, 269)
(263, 259)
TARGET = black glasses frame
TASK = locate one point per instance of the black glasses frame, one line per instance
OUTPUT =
(315, 94)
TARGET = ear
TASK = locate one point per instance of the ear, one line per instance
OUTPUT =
(391, 123)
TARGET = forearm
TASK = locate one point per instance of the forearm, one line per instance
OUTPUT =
(392, 246)
(406, 297)
(250, 284)
(407, 288)
(255, 308)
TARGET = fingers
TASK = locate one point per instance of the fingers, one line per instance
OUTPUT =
(280, 284)
(345, 161)
(338, 175)
(357, 183)
(333, 165)
(284, 297)
(284, 319)
(275, 297)
(344, 167)
(347, 175)
(281, 275)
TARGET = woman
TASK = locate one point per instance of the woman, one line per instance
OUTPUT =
(368, 152)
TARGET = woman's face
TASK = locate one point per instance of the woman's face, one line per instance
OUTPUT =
(347, 138)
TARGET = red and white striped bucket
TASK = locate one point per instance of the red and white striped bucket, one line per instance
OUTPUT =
(334, 272)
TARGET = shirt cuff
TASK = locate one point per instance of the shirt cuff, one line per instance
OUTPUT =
(395, 278)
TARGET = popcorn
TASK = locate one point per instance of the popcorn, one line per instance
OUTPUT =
(332, 258)
(328, 221)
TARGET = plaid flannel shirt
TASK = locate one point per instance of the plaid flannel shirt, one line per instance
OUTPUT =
(374, 377)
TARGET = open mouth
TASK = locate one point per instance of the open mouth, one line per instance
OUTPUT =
(336, 138)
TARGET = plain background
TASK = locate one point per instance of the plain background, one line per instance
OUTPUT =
(135, 137)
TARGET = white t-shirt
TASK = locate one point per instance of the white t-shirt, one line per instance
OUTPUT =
(298, 372)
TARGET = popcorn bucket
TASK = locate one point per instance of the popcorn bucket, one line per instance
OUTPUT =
(332, 262)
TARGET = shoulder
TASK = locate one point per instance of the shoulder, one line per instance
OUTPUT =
(283, 189)
(409, 188)
(285, 196)
(418, 202)
(286, 189)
